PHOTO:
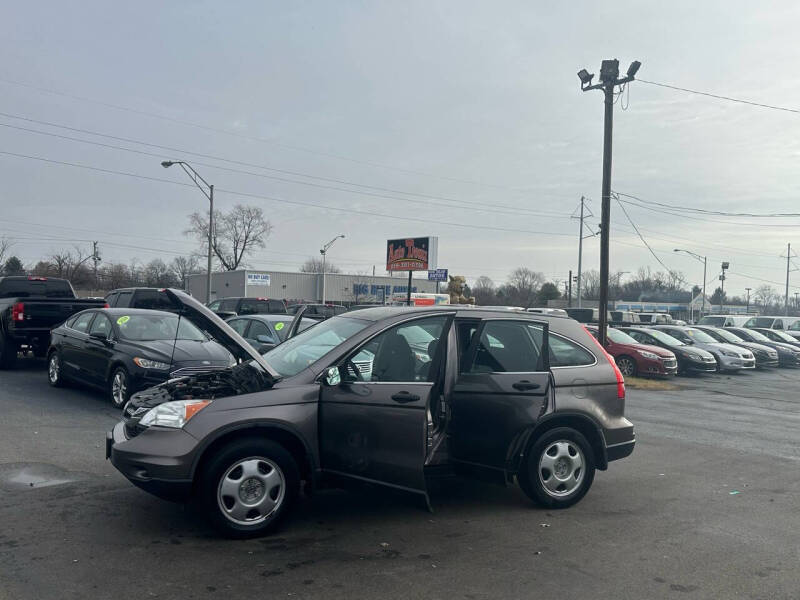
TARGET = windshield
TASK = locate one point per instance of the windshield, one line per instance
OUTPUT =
(297, 353)
(620, 337)
(760, 322)
(723, 334)
(754, 335)
(716, 321)
(665, 338)
(700, 336)
(783, 336)
(152, 327)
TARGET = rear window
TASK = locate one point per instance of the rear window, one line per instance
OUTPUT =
(252, 306)
(228, 305)
(24, 288)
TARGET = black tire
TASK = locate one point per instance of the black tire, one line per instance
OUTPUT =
(630, 369)
(119, 396)
(55, 372)
(533, 484)
(8, 353)
(222, 467)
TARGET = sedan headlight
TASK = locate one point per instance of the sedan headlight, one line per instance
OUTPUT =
(173, 414)
(648, 355)
(693, 355)
(729, 353)
(146, 363)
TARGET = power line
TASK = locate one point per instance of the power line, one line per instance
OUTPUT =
(349, 211)
(708, 212)
(720, 97)
(641, 237)
(254, 138)
(242, 163)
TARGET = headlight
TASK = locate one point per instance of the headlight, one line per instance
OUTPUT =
(146, 363)
(173, 414)
(730, 353)
(650, 355)
(693, 355)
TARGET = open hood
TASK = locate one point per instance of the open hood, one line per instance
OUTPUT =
(223, 333)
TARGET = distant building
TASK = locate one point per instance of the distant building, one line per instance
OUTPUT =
(307, 287)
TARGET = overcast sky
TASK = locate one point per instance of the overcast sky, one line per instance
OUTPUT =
(475, 106)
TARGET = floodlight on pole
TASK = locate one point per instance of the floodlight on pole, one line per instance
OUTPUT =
(324, 252)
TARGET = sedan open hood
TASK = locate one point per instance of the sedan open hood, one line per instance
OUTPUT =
(219, 329)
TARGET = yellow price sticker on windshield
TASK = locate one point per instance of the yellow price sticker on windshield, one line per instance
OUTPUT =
(123, 320)
(279, 326)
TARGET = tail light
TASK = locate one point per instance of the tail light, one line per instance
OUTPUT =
(106, 305)
(617, 372)
(18, 312)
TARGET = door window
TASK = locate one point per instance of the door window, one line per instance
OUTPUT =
(507, 347)
(124, 299)
(214, 306)
(251, 306)
(82, 322)
(262, 330)
(153, 300)
(239, 325)
(403, 353)
(101, 325)
(228, 305)
(111, 299)
(276, 306)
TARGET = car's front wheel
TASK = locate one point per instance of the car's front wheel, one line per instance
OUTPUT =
(558, 469)
(248, 486)
(627, 366)
(55, 377)
(119, 387)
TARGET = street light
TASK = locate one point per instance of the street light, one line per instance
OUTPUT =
(195, 176)
(609, 80)
(324, 252)
(725, 266)
(704, 260)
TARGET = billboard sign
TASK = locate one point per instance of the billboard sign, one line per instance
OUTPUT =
(258, 279)
(437, 275)
(412, 254)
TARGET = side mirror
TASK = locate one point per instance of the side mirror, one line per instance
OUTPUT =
(99, 335)
(264, 348)
(332, 377)
(264, 339)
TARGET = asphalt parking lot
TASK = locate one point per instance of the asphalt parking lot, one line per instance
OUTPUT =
(706, 507)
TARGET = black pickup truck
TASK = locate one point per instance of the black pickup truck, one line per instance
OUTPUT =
(29, 308)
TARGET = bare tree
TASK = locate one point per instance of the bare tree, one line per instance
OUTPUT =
(183, 266)
(765, 295)
(71, 264)
(158, 274)
(236, 234)
(5, 246)
(590, 285)
(523, 286)
(314, 265)
(484, 291)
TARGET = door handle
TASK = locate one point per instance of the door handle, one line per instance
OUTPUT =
(404, 397)
(525, 385)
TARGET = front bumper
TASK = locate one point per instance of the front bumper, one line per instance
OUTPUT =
(699, 365)
(788, 360)
(766, 361)
(659, 367)
(158, 460)
(735, 363)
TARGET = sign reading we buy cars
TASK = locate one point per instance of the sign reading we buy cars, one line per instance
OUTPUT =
(412, 254)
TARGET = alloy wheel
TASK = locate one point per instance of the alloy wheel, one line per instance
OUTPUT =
(251, 491)
(561, 468)
(119, 388)
(626, 366)
(54, 369)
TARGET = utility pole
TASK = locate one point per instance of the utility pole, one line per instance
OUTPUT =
(725, 266)
(747, 307)
(580, 253)
(788, 263)
(569, 286)
(795, 300)
(609, 79)
(95, 260)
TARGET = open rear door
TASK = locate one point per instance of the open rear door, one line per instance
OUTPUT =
(502, 389)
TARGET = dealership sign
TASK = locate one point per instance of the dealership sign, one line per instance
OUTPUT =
(258, 279)
(412, 254)
(437, 275)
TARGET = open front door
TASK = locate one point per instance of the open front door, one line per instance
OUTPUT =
(374, 424)
(502, 389)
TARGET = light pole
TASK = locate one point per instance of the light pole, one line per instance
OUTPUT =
(195, 176)
(609, 79)
(704, 260)
(324, 252)
(725, 266)
(747, 307)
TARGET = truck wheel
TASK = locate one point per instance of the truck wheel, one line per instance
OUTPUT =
(558, 468)
(248, 487)
(54, 374)
(8, 353)
(119, 388)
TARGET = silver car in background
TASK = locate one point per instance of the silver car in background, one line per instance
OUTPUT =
(729, 357)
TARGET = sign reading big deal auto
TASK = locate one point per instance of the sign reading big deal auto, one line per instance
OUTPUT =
(412, 254)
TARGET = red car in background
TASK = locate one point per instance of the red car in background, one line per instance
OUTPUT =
(635, 359)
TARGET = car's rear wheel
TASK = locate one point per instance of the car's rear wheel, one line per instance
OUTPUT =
(558, 469)
(119, 387)
(55, 376)
(247, 487)
(627, 366)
